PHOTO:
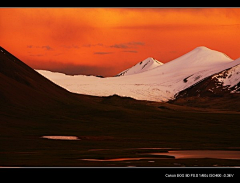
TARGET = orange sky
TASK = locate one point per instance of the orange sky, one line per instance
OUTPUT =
(105, 41)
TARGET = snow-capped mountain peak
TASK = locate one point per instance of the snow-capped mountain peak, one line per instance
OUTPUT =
(199, 57)
(145, 65)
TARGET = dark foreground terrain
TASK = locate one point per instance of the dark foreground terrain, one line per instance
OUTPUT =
(108, 128)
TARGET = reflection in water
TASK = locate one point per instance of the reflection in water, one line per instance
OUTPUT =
(163, 148)
(181, 154)
(61, 137)
(201, 154)
(116, 159)
(142, 148)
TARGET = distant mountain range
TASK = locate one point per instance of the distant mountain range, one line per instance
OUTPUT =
(215, 72)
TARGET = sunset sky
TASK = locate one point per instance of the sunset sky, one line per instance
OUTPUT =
(105, 41)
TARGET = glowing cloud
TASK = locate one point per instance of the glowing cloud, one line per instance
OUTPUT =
(99, 36)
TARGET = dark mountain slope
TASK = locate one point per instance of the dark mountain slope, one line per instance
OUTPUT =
(221, 90)
(27, 94)
(20, 85)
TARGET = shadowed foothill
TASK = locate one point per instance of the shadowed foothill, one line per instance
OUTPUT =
(108, 128)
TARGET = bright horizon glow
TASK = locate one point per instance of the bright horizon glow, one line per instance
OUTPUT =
(106, 41)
